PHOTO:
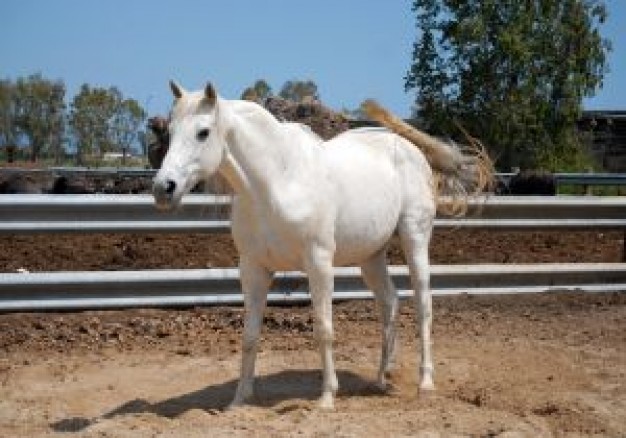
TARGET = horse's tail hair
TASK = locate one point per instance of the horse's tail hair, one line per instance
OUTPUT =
(459, 172)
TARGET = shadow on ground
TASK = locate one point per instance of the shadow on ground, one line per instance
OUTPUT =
(271, 390)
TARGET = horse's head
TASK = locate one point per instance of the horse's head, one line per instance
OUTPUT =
(197, 145)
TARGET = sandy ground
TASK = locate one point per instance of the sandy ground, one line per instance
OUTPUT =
(509, 366)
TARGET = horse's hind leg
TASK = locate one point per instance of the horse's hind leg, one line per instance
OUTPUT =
(255, 282)
(376, 278)
(415, 235)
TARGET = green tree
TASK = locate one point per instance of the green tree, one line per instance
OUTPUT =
(39, 109)
(258, 92)
(513, 73)
(8, 127)
(125, 124)
(91, 112)
(102, 121)
(297, 91)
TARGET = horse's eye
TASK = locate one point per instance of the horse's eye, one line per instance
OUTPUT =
(203, 134)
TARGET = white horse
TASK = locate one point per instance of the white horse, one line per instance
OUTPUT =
(304, 204)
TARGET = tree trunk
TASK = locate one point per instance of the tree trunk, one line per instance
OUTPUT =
(10, 151)
(33, 153)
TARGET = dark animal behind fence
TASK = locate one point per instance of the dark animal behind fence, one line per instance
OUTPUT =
(528, 182)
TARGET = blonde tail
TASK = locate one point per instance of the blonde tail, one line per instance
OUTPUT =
(459, 173)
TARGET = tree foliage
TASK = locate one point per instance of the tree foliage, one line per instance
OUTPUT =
(90, 113)
(297, 91)
(258, 92)
(33, 116)
(8, 126)
(125, 125)
(33, 109)
(513, 73)
(103, 121)
(294, 90)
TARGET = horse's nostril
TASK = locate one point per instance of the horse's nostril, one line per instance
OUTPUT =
(170, 186)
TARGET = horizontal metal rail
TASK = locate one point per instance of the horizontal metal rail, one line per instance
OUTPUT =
(209, 213)
(577, 178)
(82, 290)
(87, 171)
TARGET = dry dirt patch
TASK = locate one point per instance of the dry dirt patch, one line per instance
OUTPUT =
(542, 365)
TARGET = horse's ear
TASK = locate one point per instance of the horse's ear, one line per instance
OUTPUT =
(177, 90)
(209, 94)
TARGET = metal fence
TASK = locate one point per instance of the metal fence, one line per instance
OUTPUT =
(561, 178)
(208, 213)
(193, 287)
(202, 213)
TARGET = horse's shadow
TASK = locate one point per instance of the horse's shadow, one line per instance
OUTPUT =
(271, 391)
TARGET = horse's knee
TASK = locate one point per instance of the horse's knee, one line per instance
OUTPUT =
(324, 332)
(389, 305)
(424, 309)
(249, 341)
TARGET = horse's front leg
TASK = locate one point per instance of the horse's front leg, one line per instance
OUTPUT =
(319, 268)
(255, 282)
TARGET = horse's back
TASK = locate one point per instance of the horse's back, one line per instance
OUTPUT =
(375, 156)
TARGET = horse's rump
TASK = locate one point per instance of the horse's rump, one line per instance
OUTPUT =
(460, 171)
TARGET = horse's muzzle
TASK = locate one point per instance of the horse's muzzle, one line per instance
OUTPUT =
(163, 191)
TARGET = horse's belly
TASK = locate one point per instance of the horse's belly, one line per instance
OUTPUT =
(359, 237)
(367, 217)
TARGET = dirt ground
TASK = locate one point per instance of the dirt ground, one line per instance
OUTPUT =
(507, 366)
(72, 252)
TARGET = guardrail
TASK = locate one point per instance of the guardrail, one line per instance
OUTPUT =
(203, 213)
(209, 213)
(578, 178)
(193, 287)
(88, 171)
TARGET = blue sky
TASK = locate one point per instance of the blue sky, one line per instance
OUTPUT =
(353, 49)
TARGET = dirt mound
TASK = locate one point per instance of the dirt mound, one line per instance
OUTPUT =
(40, 181)
(322, 120)
(13, 181)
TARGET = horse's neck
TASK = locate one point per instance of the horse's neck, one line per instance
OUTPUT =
(263, 154)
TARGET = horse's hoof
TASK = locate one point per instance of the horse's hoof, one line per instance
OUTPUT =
(427, 387)
(238, 402)
(426, 380)
(326, 402)
(382, 386)
(235, 404)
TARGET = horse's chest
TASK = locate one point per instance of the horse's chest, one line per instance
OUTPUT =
(274, 242)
